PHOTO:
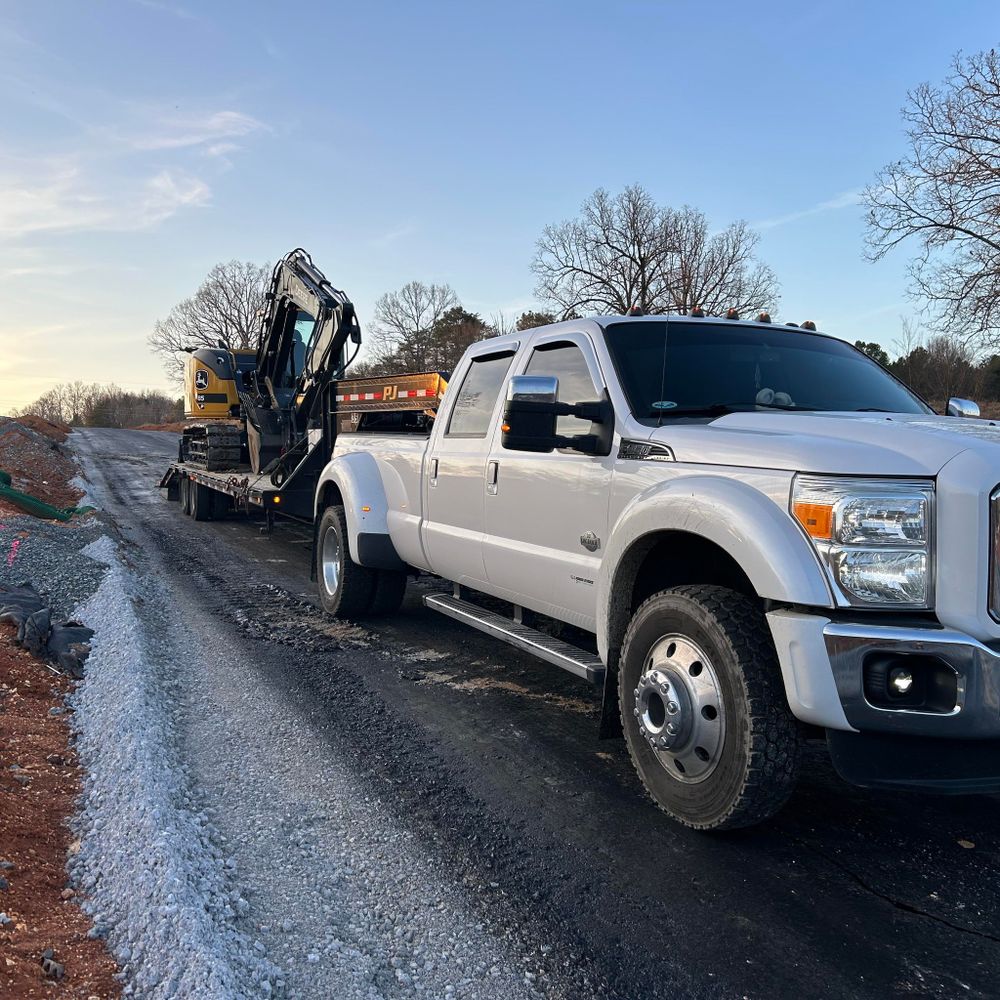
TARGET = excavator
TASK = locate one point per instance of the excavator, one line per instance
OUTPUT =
(261, 424)
(258, 407)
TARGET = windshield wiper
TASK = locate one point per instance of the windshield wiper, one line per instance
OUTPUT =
(713, 409)
(719, 409)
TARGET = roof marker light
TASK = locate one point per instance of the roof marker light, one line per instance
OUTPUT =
(635, 310)
(732, 314)
(764, 317)
(697, 311)
(809, 325)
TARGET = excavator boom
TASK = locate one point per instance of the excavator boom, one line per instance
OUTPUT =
(304, 332)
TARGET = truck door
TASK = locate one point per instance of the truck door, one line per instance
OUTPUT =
(547, 514)
(456, 467)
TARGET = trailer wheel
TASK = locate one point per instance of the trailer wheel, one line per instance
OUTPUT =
(185, 495)
(390, 589)
(346, 589)
(220, 505)
(201, 502)
(703, 708)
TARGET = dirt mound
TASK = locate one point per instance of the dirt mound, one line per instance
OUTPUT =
(31, 452)
(176, 427)
(56, 430)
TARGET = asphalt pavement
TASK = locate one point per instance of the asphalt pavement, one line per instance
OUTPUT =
(490, 761)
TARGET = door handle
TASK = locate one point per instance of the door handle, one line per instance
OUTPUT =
(433, 481)
(492, 475)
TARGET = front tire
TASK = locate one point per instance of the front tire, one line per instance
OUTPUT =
(704, 711)
(346, 589)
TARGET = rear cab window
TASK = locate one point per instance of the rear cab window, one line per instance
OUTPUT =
(470, 416)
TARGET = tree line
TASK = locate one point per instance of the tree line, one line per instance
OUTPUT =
(938, 367)
(93, 404)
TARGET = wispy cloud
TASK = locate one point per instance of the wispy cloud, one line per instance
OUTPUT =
(169, 8)
(60, 196)
(205, 130)
(386, 239)
(844, 200)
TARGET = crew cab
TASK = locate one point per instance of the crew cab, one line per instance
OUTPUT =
(768, 535)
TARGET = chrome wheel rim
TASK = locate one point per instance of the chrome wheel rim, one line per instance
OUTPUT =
(331, 562)
(679, 708)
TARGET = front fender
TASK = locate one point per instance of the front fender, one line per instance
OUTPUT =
(359, 482)
(761, 537)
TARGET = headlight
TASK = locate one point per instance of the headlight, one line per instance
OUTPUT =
(873, 535)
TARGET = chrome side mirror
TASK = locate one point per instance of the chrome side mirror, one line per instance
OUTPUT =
(533, 389)
(962, 407)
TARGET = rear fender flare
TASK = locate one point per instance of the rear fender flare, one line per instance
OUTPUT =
(359, 482)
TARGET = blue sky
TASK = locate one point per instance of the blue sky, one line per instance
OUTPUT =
(143, 141)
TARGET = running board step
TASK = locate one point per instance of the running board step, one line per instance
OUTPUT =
(545, 647)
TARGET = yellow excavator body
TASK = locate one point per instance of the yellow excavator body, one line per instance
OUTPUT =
(210, 383)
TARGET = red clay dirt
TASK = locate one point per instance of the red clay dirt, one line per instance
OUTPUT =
(31, 451)
(36, 801)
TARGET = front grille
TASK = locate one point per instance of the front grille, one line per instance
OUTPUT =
(995, 553)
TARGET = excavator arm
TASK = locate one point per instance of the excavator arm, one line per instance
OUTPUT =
(305, 329)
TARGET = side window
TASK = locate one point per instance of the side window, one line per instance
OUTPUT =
(471, 414)
(567, 363)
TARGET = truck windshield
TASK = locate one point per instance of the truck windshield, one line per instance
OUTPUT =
(678, 369)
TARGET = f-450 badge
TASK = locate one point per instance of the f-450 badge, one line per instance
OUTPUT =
(590, 541)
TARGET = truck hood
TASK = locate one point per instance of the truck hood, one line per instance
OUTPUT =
(878, 444)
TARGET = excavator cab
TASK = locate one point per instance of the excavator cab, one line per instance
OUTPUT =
(305, 331)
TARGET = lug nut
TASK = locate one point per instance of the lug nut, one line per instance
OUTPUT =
(672, 707)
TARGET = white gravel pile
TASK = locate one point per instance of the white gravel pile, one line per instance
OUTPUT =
(158, 888)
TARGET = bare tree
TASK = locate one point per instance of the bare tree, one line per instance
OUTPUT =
(938, 367)
(104, 405)
(402, 330)
(501, 324)
(625, 250)
(943, 196)
(225, 310)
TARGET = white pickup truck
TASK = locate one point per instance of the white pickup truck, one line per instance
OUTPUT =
(770, 537)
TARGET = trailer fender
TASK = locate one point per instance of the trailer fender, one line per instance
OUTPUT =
(355, 479)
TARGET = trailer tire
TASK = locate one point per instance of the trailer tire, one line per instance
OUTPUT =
(390, 589)
(185, 495)
(220, 505)
(346, 589)
(703, 708)
(201, 502)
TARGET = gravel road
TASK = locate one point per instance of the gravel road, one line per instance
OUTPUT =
(411, 810)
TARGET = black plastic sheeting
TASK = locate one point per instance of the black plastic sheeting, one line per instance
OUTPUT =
(64, 644)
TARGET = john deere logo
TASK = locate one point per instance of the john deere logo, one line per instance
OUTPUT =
(201, 379)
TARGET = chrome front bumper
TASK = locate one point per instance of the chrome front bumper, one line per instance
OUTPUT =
(823, 665)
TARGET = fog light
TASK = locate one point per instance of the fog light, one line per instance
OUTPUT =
(900, 681)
